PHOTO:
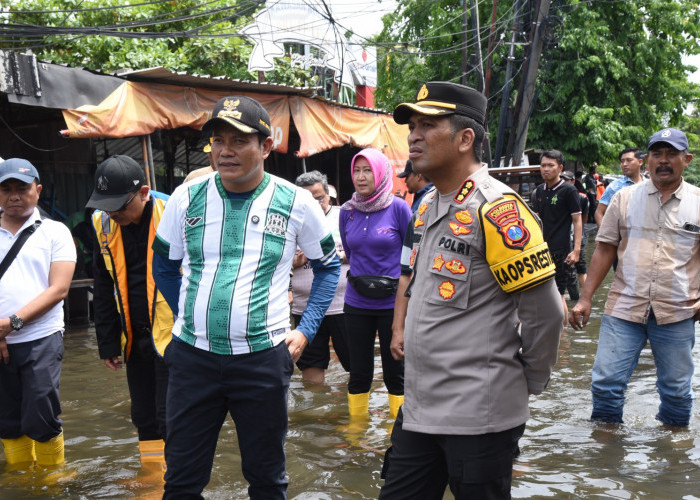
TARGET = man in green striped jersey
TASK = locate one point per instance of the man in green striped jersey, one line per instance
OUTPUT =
(234, 234)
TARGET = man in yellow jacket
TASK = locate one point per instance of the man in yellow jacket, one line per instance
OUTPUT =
(131, 316)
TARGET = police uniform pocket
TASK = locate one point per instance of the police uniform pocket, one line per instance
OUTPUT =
(450, 279)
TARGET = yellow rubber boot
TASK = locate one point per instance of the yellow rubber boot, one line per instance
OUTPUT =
(20, 450)
(358, 409)
(50, 452)
(395, 403)
(152, 451)
(153, 468)
(358, 404)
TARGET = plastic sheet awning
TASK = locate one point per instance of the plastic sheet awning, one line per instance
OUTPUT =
(140, 108)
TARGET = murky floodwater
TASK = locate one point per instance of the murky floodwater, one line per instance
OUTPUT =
(563, 454)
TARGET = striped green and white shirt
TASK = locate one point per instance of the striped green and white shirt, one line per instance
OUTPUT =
(236, 258)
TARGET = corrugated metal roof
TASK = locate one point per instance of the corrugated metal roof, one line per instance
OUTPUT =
(184, 79)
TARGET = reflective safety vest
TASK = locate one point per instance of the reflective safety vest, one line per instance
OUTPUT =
(109, 235)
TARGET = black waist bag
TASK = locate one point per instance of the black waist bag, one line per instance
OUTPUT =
(374, 287)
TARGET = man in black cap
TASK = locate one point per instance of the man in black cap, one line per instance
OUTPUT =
(417, 184)
(235, 234)
(653, 228)
(33, 285)
(473, 315)
(131, 316)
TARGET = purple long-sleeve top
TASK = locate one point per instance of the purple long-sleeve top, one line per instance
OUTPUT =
(372, 243)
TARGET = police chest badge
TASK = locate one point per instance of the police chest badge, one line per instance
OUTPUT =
(515, 248)
(276, 224)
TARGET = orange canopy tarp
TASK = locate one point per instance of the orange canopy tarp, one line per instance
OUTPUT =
(140, 108)
(137, 108)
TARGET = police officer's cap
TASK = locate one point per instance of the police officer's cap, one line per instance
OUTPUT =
(443, 99)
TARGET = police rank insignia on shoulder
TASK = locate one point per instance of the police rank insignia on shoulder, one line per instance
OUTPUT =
(464, 191)
(515, 248)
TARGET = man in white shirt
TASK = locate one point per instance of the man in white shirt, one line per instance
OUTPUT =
(234, 235)
(32, 290)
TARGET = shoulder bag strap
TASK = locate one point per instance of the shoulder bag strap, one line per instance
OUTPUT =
(14, 249)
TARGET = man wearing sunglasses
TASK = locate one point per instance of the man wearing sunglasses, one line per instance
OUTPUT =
(131, 316)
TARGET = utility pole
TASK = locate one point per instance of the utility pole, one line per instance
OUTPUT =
(477, 44)
(527, 97)
(463, 76)
(489, 55)
(480, 72)
(506, 86)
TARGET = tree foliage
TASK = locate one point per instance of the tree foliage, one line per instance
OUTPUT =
(612, 76)
(690, 124)
(183, 35)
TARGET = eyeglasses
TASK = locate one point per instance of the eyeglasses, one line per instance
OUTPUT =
(123, 207)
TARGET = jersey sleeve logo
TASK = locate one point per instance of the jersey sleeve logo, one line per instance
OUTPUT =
(506, 217)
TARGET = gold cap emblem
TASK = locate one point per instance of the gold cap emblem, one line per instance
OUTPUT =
(229, 104)
(422, 93)
(230, 109)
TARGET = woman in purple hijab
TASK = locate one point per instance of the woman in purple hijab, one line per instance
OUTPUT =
(373, 224)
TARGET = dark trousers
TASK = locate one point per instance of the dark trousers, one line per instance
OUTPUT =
(317, 354)
(361, 332)
(419, 466)
(29, 403)
(147, 376)
(203, 388)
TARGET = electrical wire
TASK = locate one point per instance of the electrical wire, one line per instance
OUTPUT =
(40, 32)
(29, 31)
(19, 138)
(89, 9)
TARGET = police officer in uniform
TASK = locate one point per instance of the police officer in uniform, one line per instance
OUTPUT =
(476, 316)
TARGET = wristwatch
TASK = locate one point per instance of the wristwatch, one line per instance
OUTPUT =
(16, 322)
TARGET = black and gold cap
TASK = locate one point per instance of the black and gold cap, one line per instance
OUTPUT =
(244, 113)
(442, 99)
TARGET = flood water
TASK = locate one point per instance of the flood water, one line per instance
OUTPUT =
(563, 454)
